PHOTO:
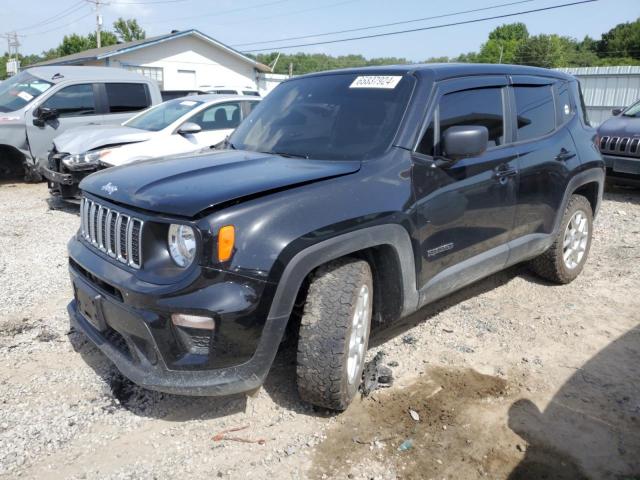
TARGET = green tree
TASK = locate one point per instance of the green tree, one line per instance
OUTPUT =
(106, 38)
(73, 43)
(503, 43)
(128, 30)
(623, 40)
(548, 51)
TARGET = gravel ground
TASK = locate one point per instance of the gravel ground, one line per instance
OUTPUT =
(511, 377)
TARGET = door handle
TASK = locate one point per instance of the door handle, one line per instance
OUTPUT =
(565, 155)
(505, 173)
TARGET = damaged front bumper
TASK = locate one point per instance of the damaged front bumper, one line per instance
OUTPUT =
(130, 322)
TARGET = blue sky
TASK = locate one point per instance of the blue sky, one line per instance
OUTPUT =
(240, 21)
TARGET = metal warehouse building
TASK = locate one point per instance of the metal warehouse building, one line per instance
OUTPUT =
(605, 88)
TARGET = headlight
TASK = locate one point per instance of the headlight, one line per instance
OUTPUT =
(83, 161)
(182, 244)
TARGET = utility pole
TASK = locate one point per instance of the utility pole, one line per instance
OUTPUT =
(13, 44)
(97, 4)
(501, 50)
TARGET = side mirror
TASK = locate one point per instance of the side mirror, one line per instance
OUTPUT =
(189, 128)
(465, 141)
(46, 113)
(616, 111)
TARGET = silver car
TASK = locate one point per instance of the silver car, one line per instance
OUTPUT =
(40, 103)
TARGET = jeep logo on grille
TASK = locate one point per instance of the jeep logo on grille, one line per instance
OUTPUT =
(109, 188)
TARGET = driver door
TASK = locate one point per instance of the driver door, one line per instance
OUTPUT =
(465, 208)
(76, 106)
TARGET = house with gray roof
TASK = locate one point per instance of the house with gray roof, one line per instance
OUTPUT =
(180, 60)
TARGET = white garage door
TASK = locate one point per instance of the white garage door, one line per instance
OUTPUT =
(186, 80)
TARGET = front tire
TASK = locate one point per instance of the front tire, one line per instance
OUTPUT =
(566, 257)
(334, 333)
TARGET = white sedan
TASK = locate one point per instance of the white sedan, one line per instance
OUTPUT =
(179, 126)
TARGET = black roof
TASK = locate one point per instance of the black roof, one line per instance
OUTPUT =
(440, 71)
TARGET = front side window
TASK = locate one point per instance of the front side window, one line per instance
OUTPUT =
(218, 117)
(73, 101)
(329, 117)
(161, 116)
(127, 97)
(535, 111)
(477, 107)
(18, 91)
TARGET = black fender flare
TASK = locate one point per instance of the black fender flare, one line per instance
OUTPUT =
(311, 257)
(582, 178)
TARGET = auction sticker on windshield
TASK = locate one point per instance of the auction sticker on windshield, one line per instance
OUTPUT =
(25, 96)
(376, 81)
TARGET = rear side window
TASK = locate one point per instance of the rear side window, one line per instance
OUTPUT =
(250, 93)
(73, 101)
(127, 97)
(536, 115)
(479, 107)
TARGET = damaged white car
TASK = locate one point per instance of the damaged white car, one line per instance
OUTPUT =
(175, 127)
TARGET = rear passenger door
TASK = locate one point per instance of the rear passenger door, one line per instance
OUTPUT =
(465, 210)
(120, 101)
(546, 151)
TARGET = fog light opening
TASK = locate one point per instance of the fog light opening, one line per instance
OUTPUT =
(193, 321)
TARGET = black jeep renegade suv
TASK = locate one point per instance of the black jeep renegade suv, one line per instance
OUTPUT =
(357, 195)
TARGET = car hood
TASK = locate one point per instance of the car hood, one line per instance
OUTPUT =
(185, 186)
(620, 126)
(83, 139)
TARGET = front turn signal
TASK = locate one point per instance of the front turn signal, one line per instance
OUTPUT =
(226, 242)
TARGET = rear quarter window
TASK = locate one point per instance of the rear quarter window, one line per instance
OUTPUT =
(535, 109)
(127, 97)
(566, 105)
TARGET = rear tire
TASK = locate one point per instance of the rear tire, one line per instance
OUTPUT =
(566, 257)
(334, 333)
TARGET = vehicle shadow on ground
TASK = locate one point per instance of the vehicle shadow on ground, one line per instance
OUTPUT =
(56, 203)
(281, 382)
(383, 333)
(124, 394)
(622, 194)
(591, 427)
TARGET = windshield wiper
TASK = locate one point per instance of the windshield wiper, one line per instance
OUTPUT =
(224, 144)
(287, 155)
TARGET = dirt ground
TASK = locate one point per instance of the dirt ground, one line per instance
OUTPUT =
(509, 378)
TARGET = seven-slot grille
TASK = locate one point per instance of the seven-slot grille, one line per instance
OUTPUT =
(116, 234)
(627, 146)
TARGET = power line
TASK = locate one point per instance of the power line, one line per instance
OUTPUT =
(59, 16)
(433, 27)
(290, 13)
(61, 26)
(150, 2)
(223, 12)
(336, 32)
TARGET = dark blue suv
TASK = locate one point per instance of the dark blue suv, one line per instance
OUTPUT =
(620, 145)
(345, 199)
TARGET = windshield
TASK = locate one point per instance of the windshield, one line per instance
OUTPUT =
(163, 115)
(17, 91)
(330, 117)
(633, 110)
